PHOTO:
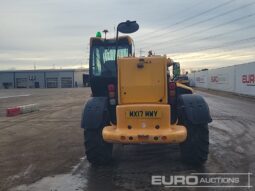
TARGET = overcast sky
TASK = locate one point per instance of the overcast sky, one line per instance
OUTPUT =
(197, 33)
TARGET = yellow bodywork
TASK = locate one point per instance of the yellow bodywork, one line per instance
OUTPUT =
(144, 126)
(143, 113)
(184, 87)
(147, 84)
(185, 82)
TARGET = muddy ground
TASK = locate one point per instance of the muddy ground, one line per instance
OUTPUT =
(44, 150)
(42, 143)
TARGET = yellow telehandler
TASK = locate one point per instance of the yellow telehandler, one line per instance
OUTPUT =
(134, 101)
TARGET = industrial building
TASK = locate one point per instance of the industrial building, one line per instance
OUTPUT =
(54, 78)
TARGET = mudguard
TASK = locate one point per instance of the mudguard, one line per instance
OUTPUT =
(94, 113)
(192, 108)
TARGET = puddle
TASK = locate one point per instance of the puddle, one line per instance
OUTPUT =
(65, 182)
(62, 182)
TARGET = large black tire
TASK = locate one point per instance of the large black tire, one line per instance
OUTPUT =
(98, 152)
(195, 149)
(94, 118)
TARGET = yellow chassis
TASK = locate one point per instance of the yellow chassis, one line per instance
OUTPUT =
(144, 123)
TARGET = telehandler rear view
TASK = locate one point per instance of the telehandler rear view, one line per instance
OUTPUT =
(134, 101)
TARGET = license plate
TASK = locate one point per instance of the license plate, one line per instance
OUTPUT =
(143, 114)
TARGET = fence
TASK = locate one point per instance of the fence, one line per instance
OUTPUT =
(237, 79)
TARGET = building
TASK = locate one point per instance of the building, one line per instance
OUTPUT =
(67, 78)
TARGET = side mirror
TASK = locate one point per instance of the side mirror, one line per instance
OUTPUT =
(128, 27)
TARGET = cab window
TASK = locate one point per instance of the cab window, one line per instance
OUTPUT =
(103, 60)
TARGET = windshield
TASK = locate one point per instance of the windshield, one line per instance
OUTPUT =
(103, 60)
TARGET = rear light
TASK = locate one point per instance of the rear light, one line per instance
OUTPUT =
(172, 86)
(172, 92)
(111, 88)
(111, 93)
